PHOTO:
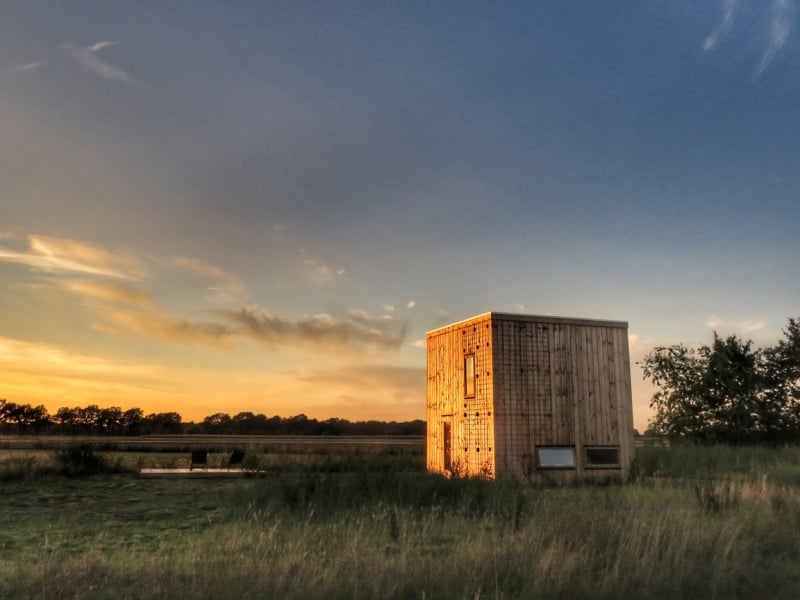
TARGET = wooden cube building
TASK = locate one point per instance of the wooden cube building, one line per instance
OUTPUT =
(530, 398)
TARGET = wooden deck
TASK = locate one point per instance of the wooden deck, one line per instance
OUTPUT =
(185, 473)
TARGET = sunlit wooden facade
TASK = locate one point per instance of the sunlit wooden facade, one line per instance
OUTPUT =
(530, 397)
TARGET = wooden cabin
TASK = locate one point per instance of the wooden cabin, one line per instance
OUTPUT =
(530, 397)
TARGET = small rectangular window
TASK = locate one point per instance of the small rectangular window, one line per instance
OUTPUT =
(448, 446)
(602, 457)
(555, 457)
(469, 376)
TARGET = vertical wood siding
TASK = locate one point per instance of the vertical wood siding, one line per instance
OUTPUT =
(541, 381)
(471, 418)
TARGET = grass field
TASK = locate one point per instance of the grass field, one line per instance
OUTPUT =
(695, 522)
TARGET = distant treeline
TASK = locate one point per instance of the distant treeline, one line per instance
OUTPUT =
(25, 419)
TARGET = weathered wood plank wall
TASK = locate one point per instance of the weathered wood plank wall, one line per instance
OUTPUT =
(541, 381)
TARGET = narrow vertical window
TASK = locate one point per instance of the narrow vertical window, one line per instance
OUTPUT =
(469, 376)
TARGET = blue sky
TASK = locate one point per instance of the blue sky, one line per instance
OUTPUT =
(263, 206)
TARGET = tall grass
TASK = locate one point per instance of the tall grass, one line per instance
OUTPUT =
(348, 530)
(712, 461)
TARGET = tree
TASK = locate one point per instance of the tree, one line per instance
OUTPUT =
(164, 423)
(217, 423)
(728, 392)
(26, 418)
(109, 421)
(132, 421)
(783, 377)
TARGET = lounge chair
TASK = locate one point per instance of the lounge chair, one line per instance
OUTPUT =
(199, 460)
(236, 459)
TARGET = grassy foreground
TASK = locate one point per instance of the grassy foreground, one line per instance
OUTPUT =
(696, 522)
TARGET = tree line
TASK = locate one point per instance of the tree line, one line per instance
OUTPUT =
(113, 421)
(728, 392)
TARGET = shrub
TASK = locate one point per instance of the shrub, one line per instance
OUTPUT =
(80, 460)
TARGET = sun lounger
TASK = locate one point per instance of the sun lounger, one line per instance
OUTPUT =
(199, 460)
(236, 459)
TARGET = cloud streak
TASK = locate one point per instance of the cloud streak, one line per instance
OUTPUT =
(171, 328)
(225, 288)
(110, 291)
(87, 57)
(30, 357)
(780, 26)
(357, 331)
(729, 10)
(748, 326)
(28, 66)
(65, 256)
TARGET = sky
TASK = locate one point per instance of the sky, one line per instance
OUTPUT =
(263, 206)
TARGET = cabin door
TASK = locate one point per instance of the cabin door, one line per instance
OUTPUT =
(447, 439)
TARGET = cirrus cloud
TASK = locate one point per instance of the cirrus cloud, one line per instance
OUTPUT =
(87, 57)
(68, 257)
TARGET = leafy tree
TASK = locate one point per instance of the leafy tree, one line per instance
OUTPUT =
(728, 392)
(217, 423)
(24, 417)
(67, 418)
(248, 423)
(132, 421)
(109, 421)
(783, 376)
(166, 423)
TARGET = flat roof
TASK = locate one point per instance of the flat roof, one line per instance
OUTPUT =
(531, 319)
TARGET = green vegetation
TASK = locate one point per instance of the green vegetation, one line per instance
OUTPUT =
(24, 419)
(716, 522)
(729, 392)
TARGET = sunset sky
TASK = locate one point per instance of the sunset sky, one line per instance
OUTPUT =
(263, 206)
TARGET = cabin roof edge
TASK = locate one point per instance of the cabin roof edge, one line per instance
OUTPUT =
(502, 316)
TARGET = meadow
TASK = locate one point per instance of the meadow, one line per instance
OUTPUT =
(711, 522)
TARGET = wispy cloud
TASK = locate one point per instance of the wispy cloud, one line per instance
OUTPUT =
(35, 372)
(517, 307)
(87, 57)
(110, 291)
(65, 256)
(780, 26)
(780, 20)
(28, 66)
(31, 357)
(100, 45)
(729, 10)
(223, 287)
(171, 328)
(411, 304)
(739, 327)
(357, 331)
(321, 274)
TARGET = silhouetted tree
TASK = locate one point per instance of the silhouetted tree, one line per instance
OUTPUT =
(727, 392)
(163, 423)
(24, 418)
(132, 421)
(217, 423)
